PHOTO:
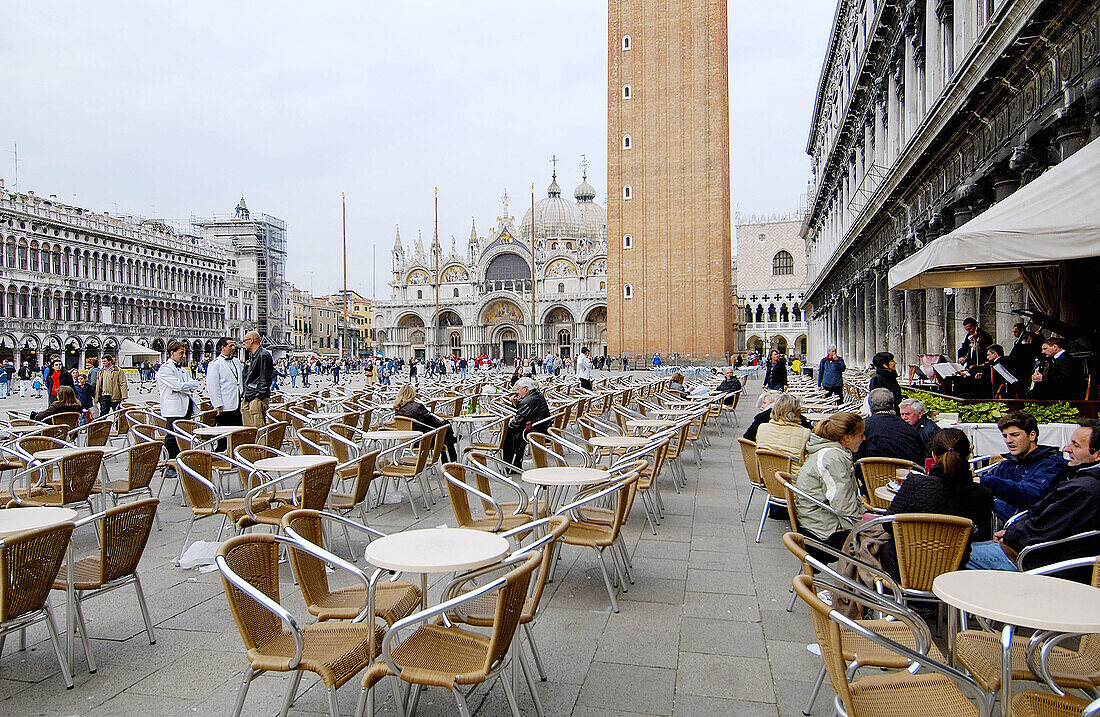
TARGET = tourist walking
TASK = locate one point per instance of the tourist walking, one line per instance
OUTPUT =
(584, 370)
(110, 386)
(775, 376)
(830, 373)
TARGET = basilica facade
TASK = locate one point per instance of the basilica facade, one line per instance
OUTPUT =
(487, 300)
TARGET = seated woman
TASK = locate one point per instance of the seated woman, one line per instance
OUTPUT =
(948, 489)
(66, 402)
(424, 420)
(676, 386)
(784, 431)
(829, 476)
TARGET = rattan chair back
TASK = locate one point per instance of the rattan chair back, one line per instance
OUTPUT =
(273, 434)
(511, 599)
(828, 639)
(125, 532)
(769, 463)
(78, 475)
(876, 473)
(366, 471)
(199, 496)
(97, 433)
(748, 457)
(58, 431)
(141, 463)
(787, 480)
(248, 454)
(69, 420)
(403, 423)
(310, 570)
(928, 544)
(29, 562)
(316, 486)
(310, 442)
(254, 557)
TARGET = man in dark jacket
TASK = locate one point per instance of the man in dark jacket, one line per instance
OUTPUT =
(1028, 471)
(257, 381)
(830, 373)
(730, 384)
(775, 376)
(1072, 507)
(886, 434)
(1062, 377)
(531, 415)
(886, 376)
(914, 414)
(977, 340)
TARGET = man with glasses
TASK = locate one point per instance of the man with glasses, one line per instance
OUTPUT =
(256, 381)
(110, 386)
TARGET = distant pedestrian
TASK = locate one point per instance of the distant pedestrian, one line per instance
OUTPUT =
(830, 373)
(110, 386)
(256, 381)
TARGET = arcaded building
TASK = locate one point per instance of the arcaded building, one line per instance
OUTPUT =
(771, 282)
(669, 231)
(479, 301)
(928, 112)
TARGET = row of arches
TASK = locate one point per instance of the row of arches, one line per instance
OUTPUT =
(501, 309)
(78, 351)
(27, 302)
(62, 260)
(772, 314)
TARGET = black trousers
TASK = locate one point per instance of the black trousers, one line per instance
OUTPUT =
(586, 383)
(838, 391)
(514, 447)
(170, 444)
(228, 418)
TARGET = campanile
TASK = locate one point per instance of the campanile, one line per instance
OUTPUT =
(668, 210)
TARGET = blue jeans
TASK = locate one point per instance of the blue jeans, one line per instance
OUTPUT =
(4, 389)
(989, 556)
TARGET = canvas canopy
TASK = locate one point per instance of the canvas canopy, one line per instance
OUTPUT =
(1053, 219)
(131, 353)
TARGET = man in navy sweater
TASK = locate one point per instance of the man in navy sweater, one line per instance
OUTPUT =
(1028, 471)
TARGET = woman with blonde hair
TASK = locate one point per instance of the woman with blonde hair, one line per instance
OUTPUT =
(784, 431)
(828, 475)
(423, 420)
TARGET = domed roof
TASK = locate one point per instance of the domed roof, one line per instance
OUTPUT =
(584, 191)
(594, 216)
(555, 216)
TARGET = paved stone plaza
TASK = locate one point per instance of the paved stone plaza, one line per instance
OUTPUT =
(703, 631)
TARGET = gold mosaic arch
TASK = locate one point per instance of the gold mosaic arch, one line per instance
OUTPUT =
(455, 273)
(417, 277)
(561, 267)
(501, 311)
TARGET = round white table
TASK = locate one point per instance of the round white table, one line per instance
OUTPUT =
(618, 441)
(671, 411)
(436, 550)
(653, 423)
(16, 520)
(1039, 602)
(564, 476)
(54, 453)
(391, 435)
(19, 431)
(884, 492)
(286, 464)
(215, 431)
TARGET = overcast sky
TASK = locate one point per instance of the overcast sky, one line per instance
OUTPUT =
(176, 109)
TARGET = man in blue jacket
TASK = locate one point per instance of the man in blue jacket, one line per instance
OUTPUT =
(1028, 471)
(830, 373)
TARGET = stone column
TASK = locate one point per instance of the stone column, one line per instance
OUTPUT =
(1009, 297)
(859, 298)
(869, 320)
(895, 343)
(934, 321)
(966, 305)
(882, 311)
(914, 337)
(853, 324)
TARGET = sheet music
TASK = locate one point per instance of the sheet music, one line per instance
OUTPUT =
(1008, 377)
(947, 368)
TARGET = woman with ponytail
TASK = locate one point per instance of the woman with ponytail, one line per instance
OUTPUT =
(948, 489)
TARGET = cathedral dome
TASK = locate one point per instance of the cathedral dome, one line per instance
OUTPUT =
(555, 216)
(584, 191)
(593, 216)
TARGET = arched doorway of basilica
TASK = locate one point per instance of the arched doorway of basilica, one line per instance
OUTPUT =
(508, 346)
(565, 342)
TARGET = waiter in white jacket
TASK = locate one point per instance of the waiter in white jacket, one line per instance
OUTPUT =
(176, 389)
(223, 386)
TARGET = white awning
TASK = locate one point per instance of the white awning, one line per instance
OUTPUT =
(1053, 219)
(132, 348)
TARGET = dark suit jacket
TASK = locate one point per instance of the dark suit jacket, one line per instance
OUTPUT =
(1061, 379)
(887, 435)
(776, 375)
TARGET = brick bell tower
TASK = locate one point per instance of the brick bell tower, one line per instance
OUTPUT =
(668, 175)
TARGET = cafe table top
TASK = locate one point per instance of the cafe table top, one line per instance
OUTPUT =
(436, 550)
(564, 476)
(391, 435)
(1040, 602)
(16, 520)
(291, 463)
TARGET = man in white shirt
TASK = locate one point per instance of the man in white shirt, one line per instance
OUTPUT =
(176, 388)
(223, 385)
(584, 369)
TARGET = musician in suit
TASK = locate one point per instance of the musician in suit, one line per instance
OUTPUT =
(972, 351)
(1059, 377)
(1025, 349)
(997, 384)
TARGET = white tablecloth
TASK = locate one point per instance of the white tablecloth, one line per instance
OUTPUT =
(986, 440)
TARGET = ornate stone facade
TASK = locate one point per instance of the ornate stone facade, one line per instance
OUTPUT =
(771, 282)
(927, 113)
(76, 283)
(481, 303)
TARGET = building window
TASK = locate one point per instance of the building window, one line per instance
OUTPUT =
(420, 294)
(627, 143)
(456, 293)
(603, 286)
(782, 263)
(628, 291)
(561, 288)
(626, 43)
(628, 93)
(628, 241)
(628, 192)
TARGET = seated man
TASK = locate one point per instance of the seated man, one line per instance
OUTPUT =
(1028, 472)
(888, 435)
(913, 412)
(729, 384)
(1072, 507)
(532, 414)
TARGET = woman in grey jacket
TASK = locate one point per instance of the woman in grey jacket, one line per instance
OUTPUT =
(828, 475)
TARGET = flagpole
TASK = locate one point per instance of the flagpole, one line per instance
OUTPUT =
(344, 229)
(435, 251)
(534, 346)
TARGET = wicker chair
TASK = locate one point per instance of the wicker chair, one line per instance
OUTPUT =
(77, 476)
(600, 535)
(768, 463)
(980, 651)
(272, 435)
(28, 563)
(928, 545)
(438, 655)
(392, 600)
(362, 470)
(123, 534)
(96, 433)
(274, 641)
(477, 480)
(316, 484)
(196, 473)
(490, 438)
(876, 473)
(141, 464)
(748, 457)
(69, 420)
(424, 444)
